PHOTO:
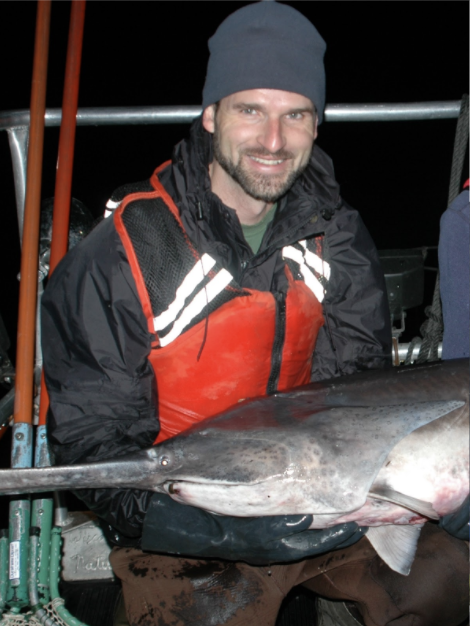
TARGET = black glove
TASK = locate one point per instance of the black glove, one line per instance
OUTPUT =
(174, 528)
(456, 523)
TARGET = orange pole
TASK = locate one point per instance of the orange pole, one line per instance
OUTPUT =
(23, 410)
(63, 183)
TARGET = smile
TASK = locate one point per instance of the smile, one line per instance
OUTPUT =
(267, 161)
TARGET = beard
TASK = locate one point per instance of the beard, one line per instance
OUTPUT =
(265, 187)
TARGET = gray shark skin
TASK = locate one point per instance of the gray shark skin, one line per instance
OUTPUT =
(386, 449)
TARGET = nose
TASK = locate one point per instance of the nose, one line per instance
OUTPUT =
(272, 135)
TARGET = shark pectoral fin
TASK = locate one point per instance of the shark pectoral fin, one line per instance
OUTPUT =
(408, 502)
(396, 545)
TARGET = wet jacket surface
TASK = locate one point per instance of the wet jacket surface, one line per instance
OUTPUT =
(96, 340)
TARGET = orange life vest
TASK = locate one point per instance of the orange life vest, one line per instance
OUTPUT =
(239, 342)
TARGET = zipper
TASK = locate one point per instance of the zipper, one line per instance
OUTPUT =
(278, 343)
(287, 238)
(262, 254)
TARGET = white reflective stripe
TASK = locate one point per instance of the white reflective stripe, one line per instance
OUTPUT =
(112, 204)
(212, 289)
(315, 262)
(290, 252)
(189, 284)
(312, 282)
(108, 213)
(310, 279)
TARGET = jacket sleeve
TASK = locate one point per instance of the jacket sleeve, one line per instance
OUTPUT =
(357, 330)
(454, 272)
(101, 386)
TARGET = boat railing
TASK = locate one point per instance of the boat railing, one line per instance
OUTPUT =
(16, 123)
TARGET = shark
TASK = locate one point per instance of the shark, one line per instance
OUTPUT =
(387, 449)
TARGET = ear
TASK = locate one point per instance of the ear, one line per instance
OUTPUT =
(315, 130)
(208, 118)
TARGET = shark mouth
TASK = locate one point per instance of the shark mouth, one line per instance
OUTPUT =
(239, 500)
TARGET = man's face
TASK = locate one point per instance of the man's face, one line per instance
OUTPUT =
(262, 140)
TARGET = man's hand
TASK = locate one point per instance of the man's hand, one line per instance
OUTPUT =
(174, 528)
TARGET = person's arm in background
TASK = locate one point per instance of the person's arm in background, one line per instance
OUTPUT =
(454, 270)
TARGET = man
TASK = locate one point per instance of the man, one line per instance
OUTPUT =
(235, 271)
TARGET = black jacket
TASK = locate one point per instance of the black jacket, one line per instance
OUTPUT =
(103, 396)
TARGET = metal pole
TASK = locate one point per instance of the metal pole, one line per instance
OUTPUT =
(16, 123)
(29, 257)
(184, 114)
(22, 448)
(18, 139)
(63, 186)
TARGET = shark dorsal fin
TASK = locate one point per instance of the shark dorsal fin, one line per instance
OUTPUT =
(396, 545)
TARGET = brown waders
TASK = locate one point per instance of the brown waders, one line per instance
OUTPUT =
(163, 590)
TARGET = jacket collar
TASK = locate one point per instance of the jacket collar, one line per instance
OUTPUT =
(315, 193)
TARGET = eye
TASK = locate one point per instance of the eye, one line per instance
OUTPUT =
(249, 111)
(295, 116)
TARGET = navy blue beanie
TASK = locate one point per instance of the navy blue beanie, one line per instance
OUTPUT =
(266, 45)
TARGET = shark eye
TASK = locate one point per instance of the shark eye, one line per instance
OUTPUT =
(165, 460)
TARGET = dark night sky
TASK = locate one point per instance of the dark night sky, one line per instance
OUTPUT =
(154, 53)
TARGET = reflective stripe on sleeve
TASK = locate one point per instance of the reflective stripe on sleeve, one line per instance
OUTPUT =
(315, 262)
(111, 205)
(312, 282)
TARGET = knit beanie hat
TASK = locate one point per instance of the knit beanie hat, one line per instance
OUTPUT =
(266, 45)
